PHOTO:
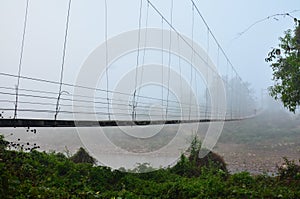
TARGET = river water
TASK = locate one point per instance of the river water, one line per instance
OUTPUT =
(116, 147)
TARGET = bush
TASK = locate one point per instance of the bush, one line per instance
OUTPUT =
(82, 156)
(193, 165)
(212, 160)
(289, 170)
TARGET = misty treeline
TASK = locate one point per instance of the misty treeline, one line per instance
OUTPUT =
(240, 97)
(240, 101)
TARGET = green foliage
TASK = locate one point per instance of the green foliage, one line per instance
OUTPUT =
(52, 175)
(285, 63)
(82, 156)
(194, 166)
(3, 143)
(289, 170)
(142, 168)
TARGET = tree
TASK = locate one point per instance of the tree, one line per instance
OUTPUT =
(210, 160)
(193, 166)
(82, 156)
(285, 63)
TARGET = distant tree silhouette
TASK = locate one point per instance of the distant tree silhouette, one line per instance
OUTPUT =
(193, 166)
(82, 156)
(211, 159)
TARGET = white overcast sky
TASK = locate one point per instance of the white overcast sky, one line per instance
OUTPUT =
(46, 21)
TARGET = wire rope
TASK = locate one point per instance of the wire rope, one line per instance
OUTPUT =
(63, 59)
(169, 61)
(21, 58)
(106, 58)
(133, 116)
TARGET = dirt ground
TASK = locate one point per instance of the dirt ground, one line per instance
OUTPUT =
(259, 144)
(261, 158)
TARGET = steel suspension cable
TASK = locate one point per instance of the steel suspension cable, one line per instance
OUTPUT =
(106, 59)
(63, 59)
(21, 58)
(207, 75)
(162, 64)
(215, 39)
(144, 52)
(134, 104)
(217, 78)
(179, 65)
(83, 87)
(191, 64)
(169, 62)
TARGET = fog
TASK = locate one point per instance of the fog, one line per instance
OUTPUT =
(261, 130)
(256, 145)
(46, 20)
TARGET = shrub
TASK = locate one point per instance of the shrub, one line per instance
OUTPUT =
(3, 143)
(82, 156)
(289, 170)
(193, 165)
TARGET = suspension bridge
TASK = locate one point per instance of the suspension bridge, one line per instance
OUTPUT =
(168, 76)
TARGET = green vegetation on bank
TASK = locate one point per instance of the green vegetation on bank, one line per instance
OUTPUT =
(285, 62)
(53, 175)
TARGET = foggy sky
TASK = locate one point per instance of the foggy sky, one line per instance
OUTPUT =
(46, 22)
